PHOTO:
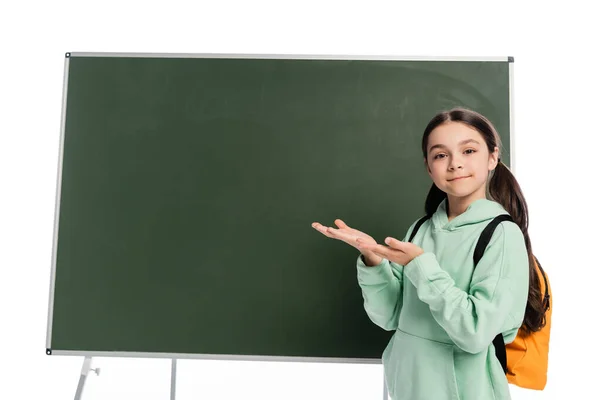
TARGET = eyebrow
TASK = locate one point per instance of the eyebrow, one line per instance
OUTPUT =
(441, 146)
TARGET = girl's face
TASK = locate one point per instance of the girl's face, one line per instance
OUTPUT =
(458, 160)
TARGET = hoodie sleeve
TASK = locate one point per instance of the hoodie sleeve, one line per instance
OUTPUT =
(497, 296)
(381, 287)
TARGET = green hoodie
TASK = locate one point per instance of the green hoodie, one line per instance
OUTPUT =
(445, 315)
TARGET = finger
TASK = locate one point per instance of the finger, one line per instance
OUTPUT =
(341, 224)
(393, 256)
(395, 243)
(331, 232)
(341, 234)
(376, 248)
(383, 253)
(316, 225)
(321, 228)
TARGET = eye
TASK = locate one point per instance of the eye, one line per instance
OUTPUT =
(471, 151)
(438, 156)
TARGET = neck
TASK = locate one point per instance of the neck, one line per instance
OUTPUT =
(458, 205)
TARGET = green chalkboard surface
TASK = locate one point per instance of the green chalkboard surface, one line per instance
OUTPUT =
(188, 185)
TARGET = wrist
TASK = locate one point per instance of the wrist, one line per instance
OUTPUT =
(371, 259)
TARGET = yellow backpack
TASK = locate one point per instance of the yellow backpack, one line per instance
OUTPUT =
(527, 355)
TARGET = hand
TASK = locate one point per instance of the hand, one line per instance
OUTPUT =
(345, 234)
(399, 252)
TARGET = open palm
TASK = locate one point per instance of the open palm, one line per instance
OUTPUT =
(344, 233)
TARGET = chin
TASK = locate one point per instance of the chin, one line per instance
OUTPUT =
(460, 193)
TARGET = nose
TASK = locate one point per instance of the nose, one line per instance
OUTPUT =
(455, 163)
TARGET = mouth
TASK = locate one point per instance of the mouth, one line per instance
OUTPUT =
(459, 178)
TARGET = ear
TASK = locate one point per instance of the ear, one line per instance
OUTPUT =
(493, 160)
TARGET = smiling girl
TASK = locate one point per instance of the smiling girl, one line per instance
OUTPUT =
(444, 311)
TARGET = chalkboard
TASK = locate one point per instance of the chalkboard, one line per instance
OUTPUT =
(188, 184)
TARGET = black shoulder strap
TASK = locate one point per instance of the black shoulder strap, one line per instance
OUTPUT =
(417, 226)
(484, 240)
(486, 236)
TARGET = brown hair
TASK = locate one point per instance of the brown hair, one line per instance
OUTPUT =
(503, 188)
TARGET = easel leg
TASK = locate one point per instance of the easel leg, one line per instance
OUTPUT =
(85, 369)
(173, 377)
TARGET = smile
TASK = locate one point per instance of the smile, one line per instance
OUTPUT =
(458, 179)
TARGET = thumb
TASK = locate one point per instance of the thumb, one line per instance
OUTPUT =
(395, 243)
(340, 223)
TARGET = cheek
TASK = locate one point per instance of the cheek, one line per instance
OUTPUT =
(482, 172)
(480, 165)
(438, 170)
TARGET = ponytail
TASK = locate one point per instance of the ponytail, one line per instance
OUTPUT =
(434, 198)
(504, 189)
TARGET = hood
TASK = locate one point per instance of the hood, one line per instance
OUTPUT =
(481, 210)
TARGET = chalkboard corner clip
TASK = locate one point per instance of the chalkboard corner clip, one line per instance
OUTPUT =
(67, 54)
(511, 59)
(49, 352)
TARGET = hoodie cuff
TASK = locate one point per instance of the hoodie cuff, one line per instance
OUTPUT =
(422, 269)
(381, 273)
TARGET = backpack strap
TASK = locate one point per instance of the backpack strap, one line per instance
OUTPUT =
(486, 236)
(417, 226)
(484, 240)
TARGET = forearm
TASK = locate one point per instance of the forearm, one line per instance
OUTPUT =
(381, 287)
(472, 319)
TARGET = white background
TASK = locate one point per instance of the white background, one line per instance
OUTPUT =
(557, 151)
